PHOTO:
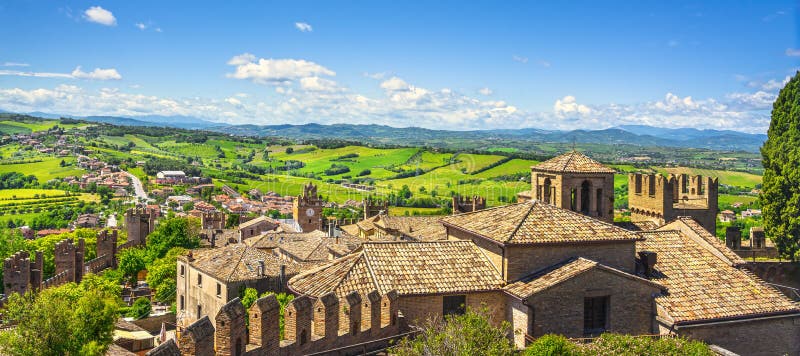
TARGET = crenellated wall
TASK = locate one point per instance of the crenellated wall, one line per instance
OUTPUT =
(661, 199)
(468, 204)
(309, 326)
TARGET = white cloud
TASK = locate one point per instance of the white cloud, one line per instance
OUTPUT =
(520, 59)
(485, 91)
(544, 63)
(568, 106)
(158, 29)
(793, 52)
(274, 70)
(773, 84)
(233, 101)
(97, 74)
(140, 26)
(34, 74)
(318, 84)
(394, 84)
(376, 76)
(303, 27)
(100, 15)
(15, 64)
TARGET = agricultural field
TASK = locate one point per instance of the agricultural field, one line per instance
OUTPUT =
(25, 204)
(737, 179)
(45, 170)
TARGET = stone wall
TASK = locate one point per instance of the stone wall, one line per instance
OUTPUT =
(560, 309)
(419, 309)
(661, 199)
(20, 274)
(302, 329)
(523, 260)
(778, 336)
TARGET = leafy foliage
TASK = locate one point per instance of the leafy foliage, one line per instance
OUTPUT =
(616, 344)
(472, 333)
(161, 275)
(781, 158)
(141, 308)
(70, 319)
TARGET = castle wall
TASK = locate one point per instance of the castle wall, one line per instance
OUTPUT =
(419, 309)
(661, 199)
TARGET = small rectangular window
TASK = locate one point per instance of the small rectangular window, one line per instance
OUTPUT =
(454, 304)
(219, 289)
(199, 279)
(595, 315)
(182, 305)
(183, 271)
(199, 311)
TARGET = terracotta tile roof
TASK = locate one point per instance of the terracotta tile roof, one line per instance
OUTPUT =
(572, 162)
(271, 240)
(536, 222)
(423, 228)
(692, 228)
(408, 267)
(311, 246)
(562, 272)
(702, 286)
(637, 225)
(238, 262)
(352, 229)
(255, 221)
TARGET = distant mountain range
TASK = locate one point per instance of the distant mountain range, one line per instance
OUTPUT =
(638, 135)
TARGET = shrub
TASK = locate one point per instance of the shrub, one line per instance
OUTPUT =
(551, 345)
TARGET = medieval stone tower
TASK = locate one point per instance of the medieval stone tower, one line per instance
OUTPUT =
(468, 204)
(575, 182)
(307, 209)
(140, 222)
(660, 199)
(374, 206)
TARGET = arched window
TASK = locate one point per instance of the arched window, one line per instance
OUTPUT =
(546, 191)
(586, 197)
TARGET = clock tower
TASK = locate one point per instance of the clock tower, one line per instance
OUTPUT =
(308, 209)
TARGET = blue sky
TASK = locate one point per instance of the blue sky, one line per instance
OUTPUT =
(444, 64)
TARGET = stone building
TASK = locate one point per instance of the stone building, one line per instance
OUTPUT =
(307, 209)
(207, 279)
(468, 204)
(574, 182)
(256, 227)
(374, 206)
(139, 223)
(661, 199)
(384, 227)
(549, 270)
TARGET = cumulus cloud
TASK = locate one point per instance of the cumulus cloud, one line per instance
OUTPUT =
(485, 91)
(793, 52)
(233, 101)
(567, 106)
(97, 74)
(318, 84)
(140, 26)
(274, 70)
(100, 15)
(303, 27)
(394, 84)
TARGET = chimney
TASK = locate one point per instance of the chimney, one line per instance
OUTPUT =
(190, 256)
(648, 259)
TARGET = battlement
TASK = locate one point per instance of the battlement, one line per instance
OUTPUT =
(20, 273)
(309, 326)
(463, 204)
(139, 222)
(309, 192)
(659, 198)
(374, 206)
(212, 220)
(69, 257)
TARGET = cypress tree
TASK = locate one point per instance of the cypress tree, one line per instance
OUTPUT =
(780, 196)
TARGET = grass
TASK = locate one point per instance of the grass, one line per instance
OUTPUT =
(513, 166)
(403, 211)
(30, 193)
(45, 170)
(8, 128)
(727, 199)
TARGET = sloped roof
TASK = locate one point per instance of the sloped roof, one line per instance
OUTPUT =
(535, 222)
(410, 268)
(703, 286)
(255, 221)
(692, 228)
(555, 275)
(237, 262)
(572, 162)
(426, 228)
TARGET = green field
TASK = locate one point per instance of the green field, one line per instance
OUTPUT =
(739, 179)
(46, 170)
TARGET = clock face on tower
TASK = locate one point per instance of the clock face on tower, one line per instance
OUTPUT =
(310, 212)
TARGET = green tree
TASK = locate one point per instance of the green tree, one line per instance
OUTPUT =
(472, 333)
(174, 232)
(141, 308)
(131, 261)
(161, 275)
(70, 319)
(780, 196)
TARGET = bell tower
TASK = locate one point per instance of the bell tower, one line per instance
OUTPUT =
(307, 209)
